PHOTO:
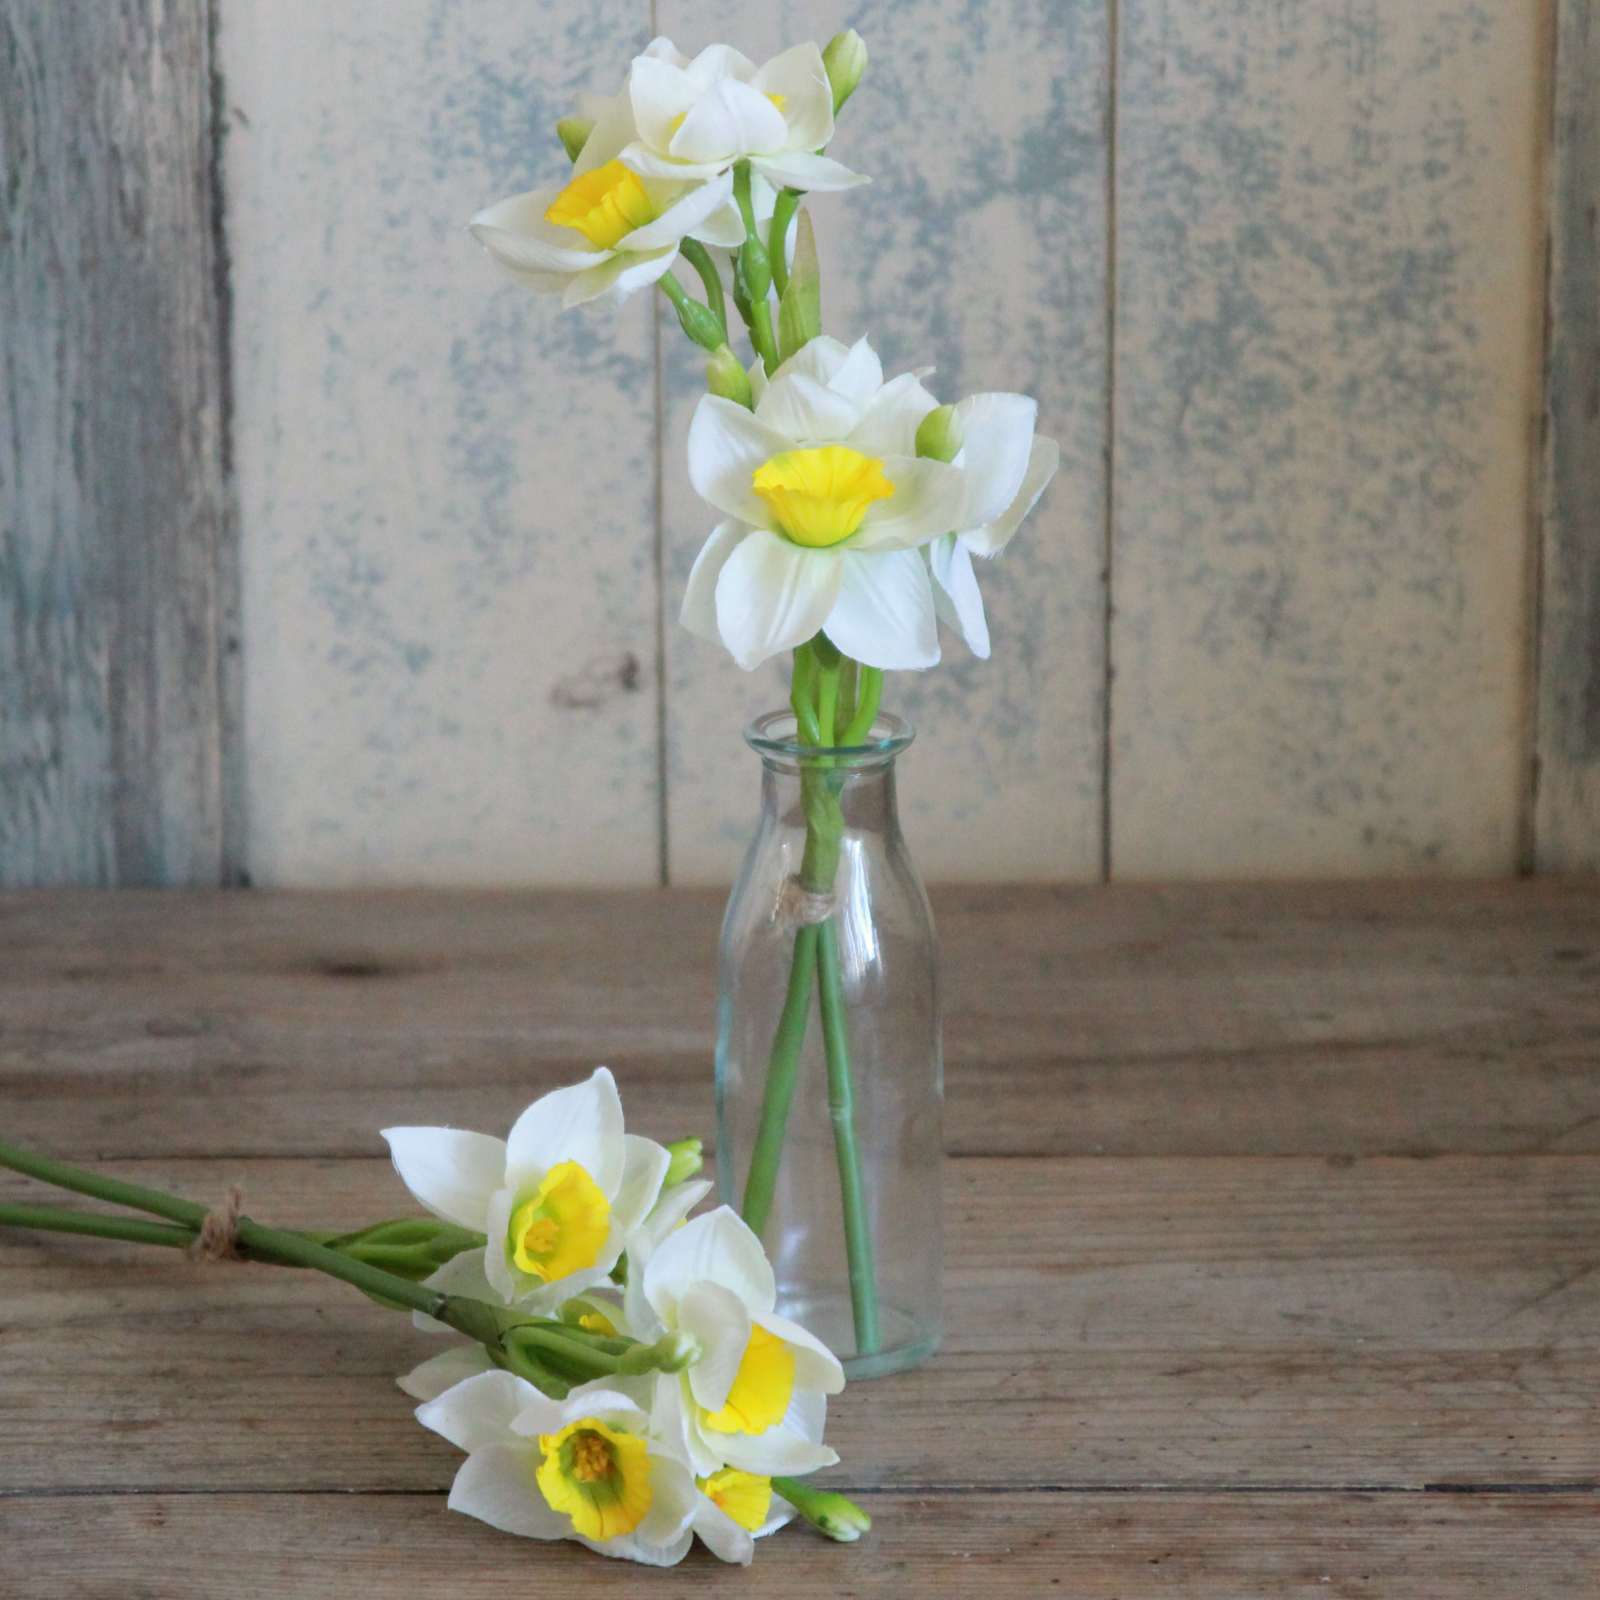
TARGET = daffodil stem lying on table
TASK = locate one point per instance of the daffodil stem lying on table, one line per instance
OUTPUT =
(539, 1348)
(832, 708)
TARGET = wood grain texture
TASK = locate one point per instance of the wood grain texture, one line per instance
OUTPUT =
(116, 545)
(1309, 1019)
(1250, 1322)
(448, 485)
(1327, 344)
(1567, 818)
(978, 247)
(1133, 1547)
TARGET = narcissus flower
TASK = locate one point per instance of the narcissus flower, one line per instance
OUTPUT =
(609, 230)
(588, 1468)
(827, 503)
(696, 118)
(1005, 467)
(557, 1200)
(754, 1398)
(736, 1508)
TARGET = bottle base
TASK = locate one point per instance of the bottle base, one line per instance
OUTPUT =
(905, 1340)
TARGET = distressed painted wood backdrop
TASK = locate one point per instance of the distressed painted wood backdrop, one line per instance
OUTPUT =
(327, 556)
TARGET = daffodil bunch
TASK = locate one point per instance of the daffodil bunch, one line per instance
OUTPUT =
(851, 503)
(625, 1380)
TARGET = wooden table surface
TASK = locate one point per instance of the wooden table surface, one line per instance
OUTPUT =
(1273, 1229)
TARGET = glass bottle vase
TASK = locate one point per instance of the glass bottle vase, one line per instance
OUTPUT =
(829, 1068)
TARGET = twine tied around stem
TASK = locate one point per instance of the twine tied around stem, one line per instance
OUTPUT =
(218, 1239)
(800, 907)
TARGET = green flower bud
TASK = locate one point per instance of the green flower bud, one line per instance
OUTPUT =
(413, 1248)
(833, 1514)
(699, 321)
(752, 271)
(573, 132)
(845, 59)
(939, 434)
(725, 376)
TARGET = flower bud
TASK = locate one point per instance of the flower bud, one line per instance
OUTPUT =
(687, 1156)
(833, 1514)
(413, 1248)
(939, 434)
(700, 322)
(573, 132)
(752, 270)
(672, 1352)
(845, 59)
(725, 376)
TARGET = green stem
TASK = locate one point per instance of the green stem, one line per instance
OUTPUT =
(699, 258)
(133, 1196)
(778, 1095)
(132, 1230)
(869, 695)
(841, 1110)
(778, 237)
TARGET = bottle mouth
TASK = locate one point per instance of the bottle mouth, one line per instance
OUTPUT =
(774, 736)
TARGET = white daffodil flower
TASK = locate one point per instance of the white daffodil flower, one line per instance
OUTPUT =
(827, 502)
(610, 230)
(733, 1509)
(588, 1468)
(1006, 467)
(558, 1199)
(755, 1396)
(696, 118)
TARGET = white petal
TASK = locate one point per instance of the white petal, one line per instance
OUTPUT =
(799, 169)
(506, 1282)
(650, 163)
(926, 502)
(888, 426)
(461, 1274)
(672, 1501)
(955, 593)
(661, 48)
(452, 1172)
(806, 411)
(720, 61)
(515, 233)
(699, 614)
(860, 374)
(815, 1365)
(660, 92)
(445, 1371)
(778, 1450)
(773, 595)
(630, 1547)
(779, 1515)
(541, 1414)
(683, 216)
(799, 76)
(991, 539)
(884, 615)
(997, 434)
(719, 1319)
(729, 120)
(613, 131)
(818, 358)
(716, 1248)
(644, 1170)
(726, 446)
(582, 1123)
(724, 228)
(497, 1485)
(721, 1535)
(618, 277)
(478, 1411)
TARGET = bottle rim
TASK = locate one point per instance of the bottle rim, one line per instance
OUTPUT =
(774, 735)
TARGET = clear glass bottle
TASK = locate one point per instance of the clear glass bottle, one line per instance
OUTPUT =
(830, 1078)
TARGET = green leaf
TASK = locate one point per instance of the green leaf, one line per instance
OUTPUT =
(800, 310)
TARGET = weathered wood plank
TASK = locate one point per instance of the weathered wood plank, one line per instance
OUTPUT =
(1300, 1019)
(117, 559)
(1326, 358)
(1288, 1547)
(979, 246)
(1567, 817)
(1111, 1323)
(448, 486)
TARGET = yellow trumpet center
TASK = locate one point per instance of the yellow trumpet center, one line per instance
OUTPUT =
(562, 1227)
(761, 1390)
(603, 205)
(596, 1475)
(746, 1497)
(819, 496)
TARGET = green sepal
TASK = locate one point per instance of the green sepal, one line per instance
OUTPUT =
(800, 310)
